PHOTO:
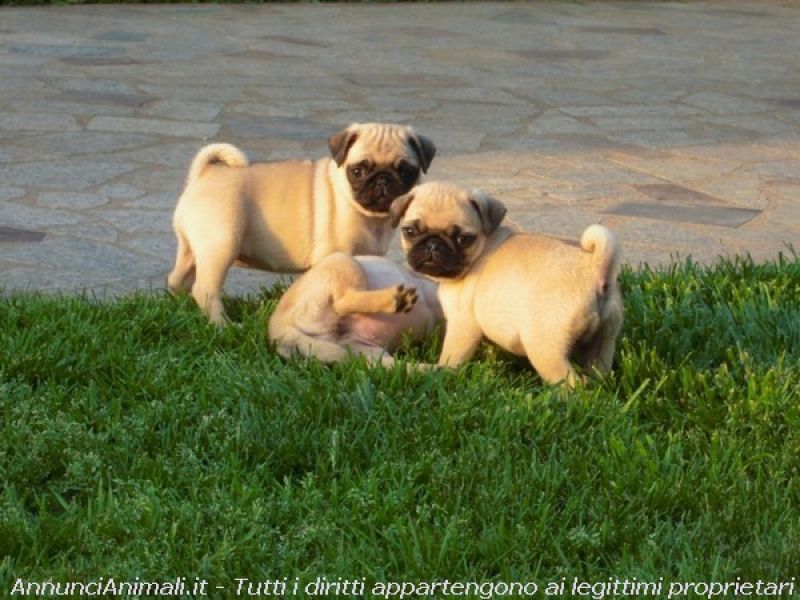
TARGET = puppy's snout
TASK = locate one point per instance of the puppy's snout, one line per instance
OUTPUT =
(382, 182)
(434, 247)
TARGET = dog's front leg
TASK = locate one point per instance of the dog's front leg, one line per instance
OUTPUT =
(461, 339)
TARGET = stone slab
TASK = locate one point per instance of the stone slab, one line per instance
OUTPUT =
(137, 221)
(726, 104)
(118, 35)
(102, 61)
(550, 55)
(8, 192)
(156, 200)
(105, 97)
(95, 143)
(71, 175)
(674, 166)
(12, 235)
(86, 256)
(39, 279)
(259, 55)
(643, 123)
(88, 229)
(405, 80)
(77, 108)
(626, 110)
(62, 50)
(670, 192)
(177, 154)
(278, 128)
(94, 85)
(611, 30)
(742, 188)
(565, 111)
(160, 245)
(38, 122)
(18, 215)
(120, 191)
(185, 110)
(522, 16)
(70, 200)
(297, 40)
(557, 122)
(721, 216)
(160, 126)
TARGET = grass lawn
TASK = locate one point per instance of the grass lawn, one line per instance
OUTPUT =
(139, 441)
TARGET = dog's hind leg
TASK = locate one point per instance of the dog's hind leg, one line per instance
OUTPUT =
(329, 351)
(182, 276)
(373, 354)
(598, 353)
(553, 369)
(551, 360)
(211, 267)
(295, 341)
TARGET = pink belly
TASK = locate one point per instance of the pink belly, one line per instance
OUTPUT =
(387, 330)
(384, 330)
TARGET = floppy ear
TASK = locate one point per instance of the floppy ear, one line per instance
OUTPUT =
(490, 210)
(399, 208)
(424, 148)
(340, 144)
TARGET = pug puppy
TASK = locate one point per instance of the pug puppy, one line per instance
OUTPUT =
(531, 295)
(347, 305)
(287, 216)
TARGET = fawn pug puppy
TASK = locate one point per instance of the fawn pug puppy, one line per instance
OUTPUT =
(353, 305)
(532, 295)
(287, 216)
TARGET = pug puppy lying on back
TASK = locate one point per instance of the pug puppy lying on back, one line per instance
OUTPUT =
(353, 305)
(287, 216)
(531, 295)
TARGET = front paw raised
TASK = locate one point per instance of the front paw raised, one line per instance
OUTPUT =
(404, 299)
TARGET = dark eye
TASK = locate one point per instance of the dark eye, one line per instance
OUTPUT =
(409, 231)
(408, 172)
(465, 239)
(357, 172)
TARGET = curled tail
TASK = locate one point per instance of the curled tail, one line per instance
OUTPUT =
(602, 244)
(227, 154)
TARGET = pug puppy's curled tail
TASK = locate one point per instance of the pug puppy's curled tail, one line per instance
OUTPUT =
(602, 244)
(227, 154)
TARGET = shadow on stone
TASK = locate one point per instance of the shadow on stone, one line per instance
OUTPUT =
(16, 236)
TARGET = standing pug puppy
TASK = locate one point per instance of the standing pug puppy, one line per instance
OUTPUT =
(353, 305)
(531, 295)
(287, 216)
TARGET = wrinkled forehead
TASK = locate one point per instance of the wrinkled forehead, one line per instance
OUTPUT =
(381, 143)
(439, 211)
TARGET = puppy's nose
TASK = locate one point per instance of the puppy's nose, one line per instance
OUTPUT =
(432, 246)
(382, 182)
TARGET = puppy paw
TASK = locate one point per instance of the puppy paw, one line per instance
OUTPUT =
(404, 299)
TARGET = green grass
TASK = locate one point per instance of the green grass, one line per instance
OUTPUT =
(139, 441)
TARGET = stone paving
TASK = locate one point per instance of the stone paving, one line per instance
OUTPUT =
(675, 124)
